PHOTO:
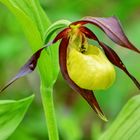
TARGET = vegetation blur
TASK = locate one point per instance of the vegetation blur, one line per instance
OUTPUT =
(75, 118)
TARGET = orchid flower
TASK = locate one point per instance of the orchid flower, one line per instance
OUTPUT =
(86, 67)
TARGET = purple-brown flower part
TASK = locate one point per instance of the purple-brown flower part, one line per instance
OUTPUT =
(61, 34)
(114, 58)
(29, 66)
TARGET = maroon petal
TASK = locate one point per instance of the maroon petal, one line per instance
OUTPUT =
(29, 66)
(112, 28)
(88, 33)
(88, 95)
(61, 34)
(114, 58)
(110, 53)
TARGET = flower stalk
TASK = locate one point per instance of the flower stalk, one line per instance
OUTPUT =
(48, 105)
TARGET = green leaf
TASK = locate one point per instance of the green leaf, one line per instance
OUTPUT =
(54, 27)
(127, 124)
(11, 114)
(35, 23)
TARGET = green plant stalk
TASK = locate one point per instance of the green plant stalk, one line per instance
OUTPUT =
(48, 105)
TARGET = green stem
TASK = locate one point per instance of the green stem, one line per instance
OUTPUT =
(47, 100)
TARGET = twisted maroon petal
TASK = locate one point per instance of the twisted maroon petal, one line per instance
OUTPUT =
(88, 95)
(111, 26)
(114, 58)
(30, 65)
(27, 68)
(110, 53)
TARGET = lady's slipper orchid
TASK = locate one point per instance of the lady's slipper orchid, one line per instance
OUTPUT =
(84, 66)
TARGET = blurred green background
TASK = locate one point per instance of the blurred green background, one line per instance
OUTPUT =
(76, 120)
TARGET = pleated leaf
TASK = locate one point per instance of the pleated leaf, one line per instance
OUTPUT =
(127, 124)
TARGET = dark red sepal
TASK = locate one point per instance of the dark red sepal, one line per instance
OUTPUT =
(112, 27)
(88, 95)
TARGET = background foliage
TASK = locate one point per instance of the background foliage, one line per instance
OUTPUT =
(76, 120)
